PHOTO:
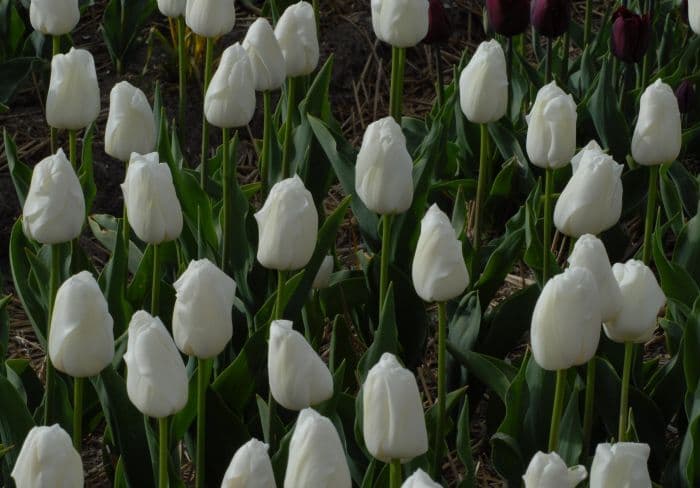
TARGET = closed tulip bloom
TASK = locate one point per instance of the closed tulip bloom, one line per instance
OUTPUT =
(508, 17)
(621, 465)
(151, 203)
(296, 34)
(550, 471)
(266, 60)
(551, 131)
(566, 321)
(630, 35)
(589, 252)
(48, 459)
(73, 100)
(439, 271)
(400, 23)
(642, 299)
(250, 467)
(131, 127)
(483, 85)
(438, 24)
(685, 94)
(693, 9)
(230, 98)
(550, 17)
(420, 479)
(298, 376)
(81, 338)
(156, 379)
(210, 18)
(172, 8)
(384, 169)
(202, 324)
(323, 276)
(657, 135)
(316, 455)
(287, 226)
(54, 209)
(591, 202)
(393, 422)
(54, 17)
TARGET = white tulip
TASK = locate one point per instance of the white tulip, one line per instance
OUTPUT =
(566, 320)
(316, 455)
(210, 18)
(81, 338)
(230, 98)
(551, 131)
(384, 169)
(621, 465)
(323, 276)
(131, 127)
(483, 84)
(439, 271)
(642, 299)
(250, 467)
(54, 17)
(54, 209)
(172, 8)
(266, 59)
(657, 135)
(73, 100)
(550, 471)
(287, 226)
(156, 378)
(48, 459)
(401, 23)
(393, 421)
(589, 252)
(694, 15)
(296, 33)
(420, 479)
(152, 207)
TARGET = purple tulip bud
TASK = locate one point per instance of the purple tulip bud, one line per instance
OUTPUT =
(550, 17)
(685, 93)
(438, 24)
(508, 17)
(630, 35)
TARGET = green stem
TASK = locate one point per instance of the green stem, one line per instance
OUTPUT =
(279, 307)
(548, 63)
(227, 175)
(73, 147)
(202, 384)
(509, 71)
(155, 282)
(651, 212)
(588, 409)
(395, 473)
(440, 88)
(267, 134)
(287, 144)
(547, 240)
(482, 184)
(126, 231)
(208, 61)
(182, 69)
(384, 261)
(54, 282)
(587, 23)
(163, 452)
(564, 73)
(442, 390)
(625, 391)
(78, 385)
(557, 410)
(398, 61)
(56, 45)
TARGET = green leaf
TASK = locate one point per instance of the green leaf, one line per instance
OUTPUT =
(14, 73)
(465, 323)
(20, 173)
(571, 431)
(690, 451)
(676, 283)
(494, 373)
(687, 251)
(506, 324)
(15, 421)
(464, 446)
(121, 23)
(85, 173)
(113, 282)
(385, 337)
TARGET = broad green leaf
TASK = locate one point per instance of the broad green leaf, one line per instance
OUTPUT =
(15, 422)
(385, 337)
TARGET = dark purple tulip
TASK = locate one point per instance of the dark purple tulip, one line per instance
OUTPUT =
(508, 17)
(550, 17)
(438, 24)
(630, 35)
(685, 93)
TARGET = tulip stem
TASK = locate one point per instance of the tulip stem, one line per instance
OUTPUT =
(163, 452)
(202, 384)
(267, 140)
(625, 392)
(78, 386)
(208, 61)
(227, 175)
(155, 283)
(548, 63)
(588, 408)
(182, 70)
(564, 73)
(56, 45)
(651, 212)
(287, 144)
(398, 61)
(73, 147)
(481, 186)
(557, 410)
(587, 23)
(440, 88)
(509, 71)
(547, 240)
(279, 305)
(395, 473)
(442, 390)
(54, 281)
(384, 261)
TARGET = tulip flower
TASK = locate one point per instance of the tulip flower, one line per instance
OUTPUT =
(400, 23)
(483, 84)
(508, 17)
(550, 471)
(657, 135)
(210, 18)
(172, 8)
(630, 35)
(131, 127)
(685, 94)
(693, 9)
(230, 98)
(551, 132)
(438, 24)
(296, 33)
(54, 209)
(323, 276)
(420, 479)
(54, 17)
(316, 456)
(266, 59)
(47, 458)
(250, 467)
(298, 376)
(550, 17)
(621, 465)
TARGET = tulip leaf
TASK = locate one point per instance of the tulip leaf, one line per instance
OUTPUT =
(464, 445)
(15, 423)
(676, 282)
(687, 251)
(493, 372)
(14, 73)
(671, 199)
(570, 429)
(505, 324)
(511, 465)
(690, 353)
(690, 452)
(465, 323)
(20, 173)
(121, 23)
(4, 328)
(86, 174)
(104, 227)
(226, 432)
(385, 337)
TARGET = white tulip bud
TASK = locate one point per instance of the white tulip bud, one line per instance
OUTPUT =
(210, 18)
(657, 135)
(131, 127)
(323, 277)
(54, 209)
(48, 458)
(81, 338)
(152, 207)
(172, 8)
(550, 471)
(230, 98)
(265, 55)
(384, 169)
(316, 455)
(566, 321)
(73, 101)
(401, 23)
(642, 299)
(589, 252)
(393, 421)
(298, 376)
(551, 131)
(694, 15)
(287, 226)
(420, 479)
(156, 378)
(296, 33)
(483, 84)
(54, 17)
(621, 465)
(439, 271)
(250, 467)
(592, 199)
(202, 323)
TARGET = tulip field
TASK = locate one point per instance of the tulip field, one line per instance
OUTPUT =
(386, 243)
